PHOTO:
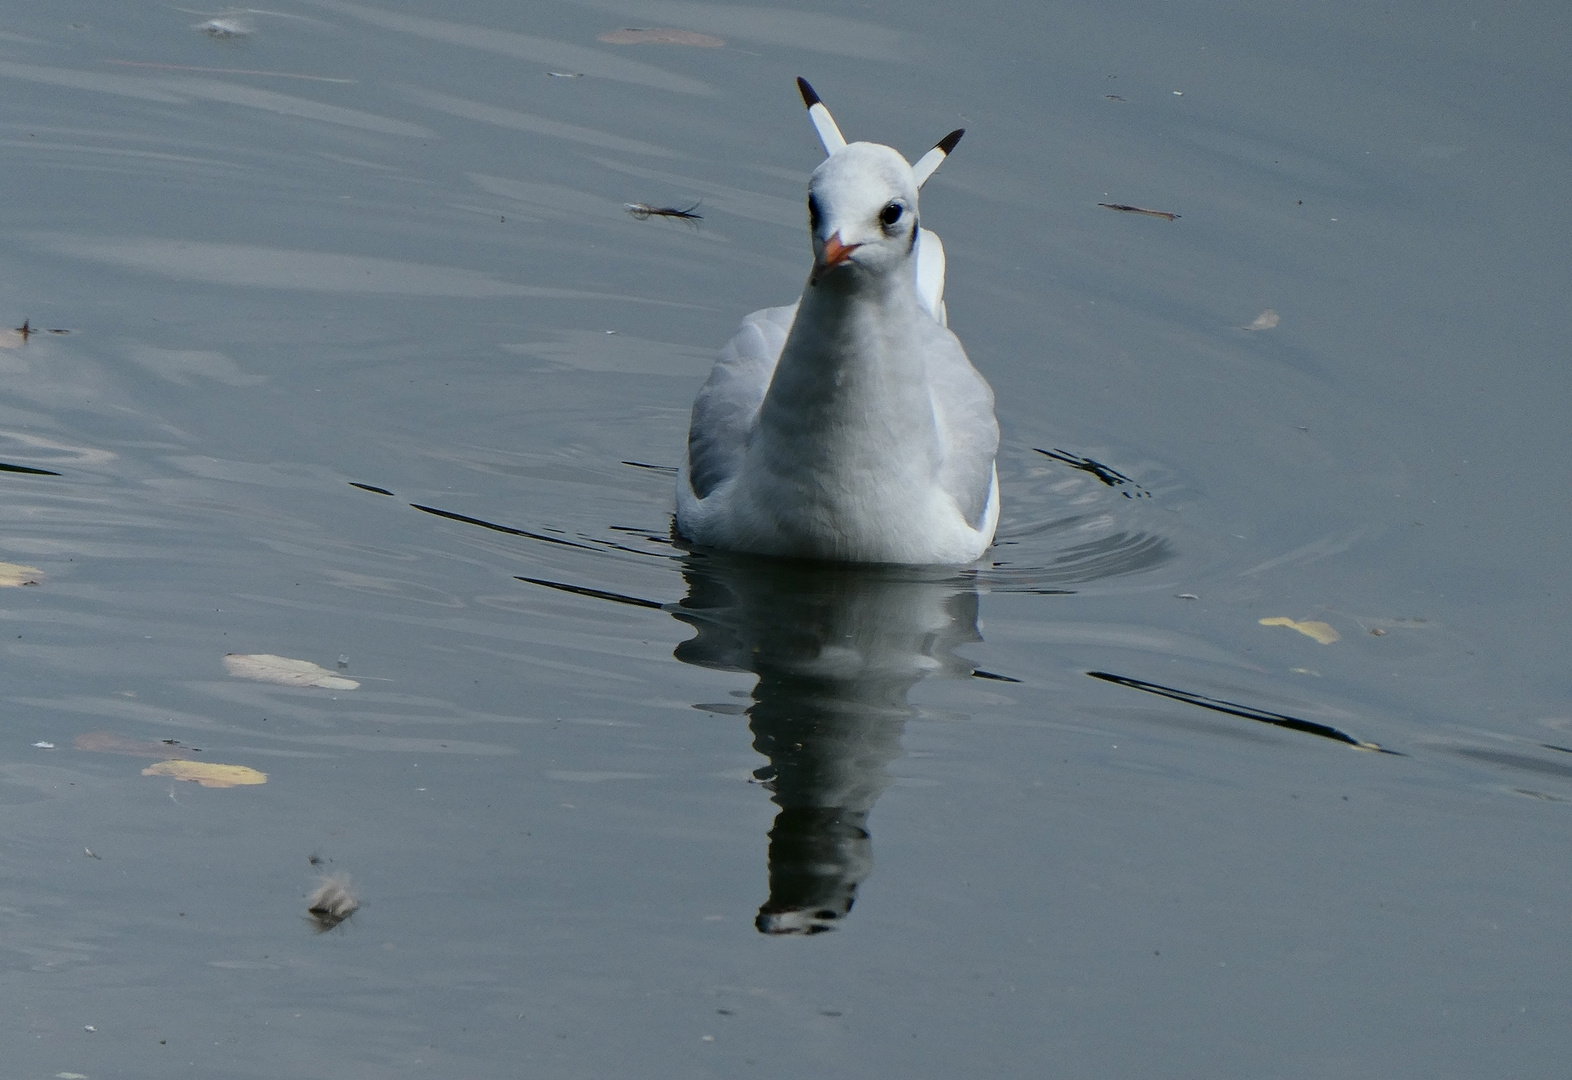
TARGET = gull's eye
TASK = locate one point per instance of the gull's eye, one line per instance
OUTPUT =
(813, 212)
(891, 214)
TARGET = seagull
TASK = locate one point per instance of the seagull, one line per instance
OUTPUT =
(849, 426)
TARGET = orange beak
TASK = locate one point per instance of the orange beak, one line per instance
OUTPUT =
(835, 253)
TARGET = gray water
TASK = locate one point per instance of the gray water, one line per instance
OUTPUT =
(596, 818)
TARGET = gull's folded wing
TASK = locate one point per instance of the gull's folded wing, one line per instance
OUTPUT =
(728, 403)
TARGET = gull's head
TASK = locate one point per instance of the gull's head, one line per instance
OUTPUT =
(862, 211)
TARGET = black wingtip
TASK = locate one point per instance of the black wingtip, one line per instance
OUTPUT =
(809, 98)
(947, 144)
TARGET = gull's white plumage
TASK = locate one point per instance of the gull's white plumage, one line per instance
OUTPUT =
(849, 426)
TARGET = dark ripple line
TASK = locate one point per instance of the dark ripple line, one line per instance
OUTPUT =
(1293, 723)
(26, 469)
(598, 594)
(494, 527)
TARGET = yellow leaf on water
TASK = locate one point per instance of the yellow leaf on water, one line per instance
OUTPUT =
(207, 773)
(13, 574)
(265, 667)
(1321, 631)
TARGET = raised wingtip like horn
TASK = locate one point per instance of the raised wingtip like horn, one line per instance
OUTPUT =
(929, 163)
(829, 134)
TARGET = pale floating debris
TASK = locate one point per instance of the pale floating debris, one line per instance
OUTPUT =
(225, 28)
(1320, 631)
(566, 74)
(89, 853)
(265, 667)
(1186, 596)
(1267, 320)
(74, 1076)
(89, 1027)
(207, 773)
(14, 574)
(635, 35)
(44, 745)
(332, 901)
(1378, 632)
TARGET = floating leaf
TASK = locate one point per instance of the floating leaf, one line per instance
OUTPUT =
(14, 574)
(1321, 631)
(1265, 321)
(207, 773)
(265, 667)
(660, 36)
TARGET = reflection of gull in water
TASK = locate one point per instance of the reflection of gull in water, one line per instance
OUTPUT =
(836, 649)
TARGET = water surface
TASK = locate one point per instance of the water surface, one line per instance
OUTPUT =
(617, 808)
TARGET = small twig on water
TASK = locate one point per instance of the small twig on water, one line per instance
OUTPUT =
(643, 211)
(1140, 210)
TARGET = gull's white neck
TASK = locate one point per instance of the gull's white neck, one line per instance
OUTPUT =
(849, 403)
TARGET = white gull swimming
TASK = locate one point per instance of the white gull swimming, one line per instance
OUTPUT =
(849, 426)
